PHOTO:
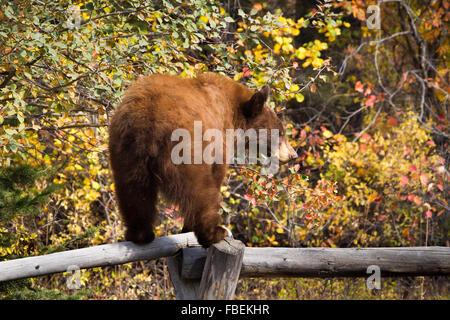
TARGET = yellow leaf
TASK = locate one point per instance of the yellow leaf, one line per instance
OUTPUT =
(307, 63)
(295, 32)
(301, 53)
(372, 197)
(327, 134)
(95, 185)
(317, 62)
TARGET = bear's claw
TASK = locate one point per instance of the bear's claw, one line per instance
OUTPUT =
(230, 234)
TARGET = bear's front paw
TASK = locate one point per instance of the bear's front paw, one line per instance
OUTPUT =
(140, 237)
(206, 239)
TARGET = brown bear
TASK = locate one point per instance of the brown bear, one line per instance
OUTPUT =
(141, 143)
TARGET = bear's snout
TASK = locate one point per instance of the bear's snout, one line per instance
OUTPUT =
(286, 152)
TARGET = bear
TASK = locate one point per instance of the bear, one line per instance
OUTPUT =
(141, 142)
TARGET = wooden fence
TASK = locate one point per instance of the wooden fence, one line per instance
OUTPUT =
(213, 274)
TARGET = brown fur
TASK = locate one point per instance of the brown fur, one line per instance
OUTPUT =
(140, 148)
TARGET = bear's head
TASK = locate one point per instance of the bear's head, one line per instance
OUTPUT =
(259, 116)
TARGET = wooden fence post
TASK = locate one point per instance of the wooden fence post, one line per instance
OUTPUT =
(187, 259)
(221, 271)
(207, 275)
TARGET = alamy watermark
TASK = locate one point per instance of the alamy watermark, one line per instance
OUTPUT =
(374, 280)
(237, 147)
(373, 20)
(74, 20)
(73, 281)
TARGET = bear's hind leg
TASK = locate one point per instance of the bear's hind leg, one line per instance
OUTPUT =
(208, 230)
(187, 228)
(138, 207)
(206, 220)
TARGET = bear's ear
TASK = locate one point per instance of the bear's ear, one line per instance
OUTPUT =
(255, 105)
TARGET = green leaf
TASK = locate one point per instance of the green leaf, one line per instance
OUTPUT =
(299, 97)
(13, 147)
(289, 131)
(10, 131)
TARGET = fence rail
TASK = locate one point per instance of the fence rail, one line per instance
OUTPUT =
(97, 256)
(213, 274)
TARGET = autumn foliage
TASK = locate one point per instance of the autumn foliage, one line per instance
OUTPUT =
(367, 110)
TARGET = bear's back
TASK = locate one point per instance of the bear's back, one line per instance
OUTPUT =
(177, 102)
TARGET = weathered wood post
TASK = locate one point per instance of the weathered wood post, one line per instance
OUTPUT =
(222, 269)
(207, 275)
(184, 262)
